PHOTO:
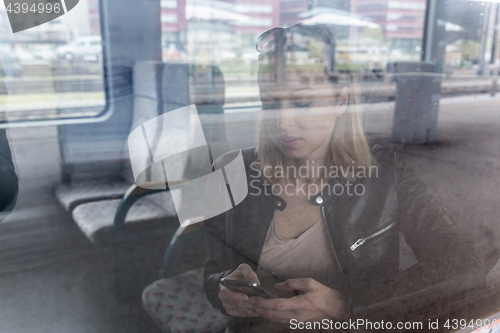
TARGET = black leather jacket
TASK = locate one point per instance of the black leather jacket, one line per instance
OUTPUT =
(394, 202)
(8, 179)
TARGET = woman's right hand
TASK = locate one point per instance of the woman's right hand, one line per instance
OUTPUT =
(235, 303)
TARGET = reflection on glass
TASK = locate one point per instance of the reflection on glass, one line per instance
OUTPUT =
(54, 70)
(416, 76)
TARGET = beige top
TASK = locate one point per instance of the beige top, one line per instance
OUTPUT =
(308, 256)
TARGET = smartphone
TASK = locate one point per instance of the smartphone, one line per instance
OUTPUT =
(247, 287)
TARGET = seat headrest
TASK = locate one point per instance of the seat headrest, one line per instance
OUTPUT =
(185, 84)
(147, 79)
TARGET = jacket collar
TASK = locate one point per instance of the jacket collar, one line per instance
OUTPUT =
(322, 198)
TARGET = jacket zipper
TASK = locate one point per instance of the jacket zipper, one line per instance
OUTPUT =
(361, 241)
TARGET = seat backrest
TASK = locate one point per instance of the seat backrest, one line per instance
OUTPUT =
(181, 85)
(147, 91)
(95, 150)
(206, 88)
(148, 101)
(202, 85)
(207, 92)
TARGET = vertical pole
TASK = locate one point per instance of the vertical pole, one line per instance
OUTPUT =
(494, 58)
(353, 30)
(484, 33)
(495, 37)
(490, 41)
(430, 21)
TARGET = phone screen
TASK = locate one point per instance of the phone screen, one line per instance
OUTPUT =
(247, 287)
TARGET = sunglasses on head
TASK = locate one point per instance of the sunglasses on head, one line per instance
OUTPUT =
(267, 41)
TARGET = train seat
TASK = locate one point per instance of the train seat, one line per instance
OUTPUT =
(147, 99)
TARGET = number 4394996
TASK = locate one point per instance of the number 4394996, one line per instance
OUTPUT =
(35, 8)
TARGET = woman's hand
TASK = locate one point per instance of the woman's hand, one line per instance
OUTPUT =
(238, 304)
(315, 303)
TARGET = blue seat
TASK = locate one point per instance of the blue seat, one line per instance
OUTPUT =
(158, 88)
(86, 187)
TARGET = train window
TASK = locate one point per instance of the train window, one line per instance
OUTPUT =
(401, 61)
(53, 72)
(251, 166)
(375, 34)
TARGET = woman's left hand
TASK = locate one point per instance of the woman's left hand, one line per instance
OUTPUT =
(315, 302)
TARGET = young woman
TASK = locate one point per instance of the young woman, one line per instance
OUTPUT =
(325, 209)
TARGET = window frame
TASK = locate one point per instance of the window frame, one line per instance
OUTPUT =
(109, 106)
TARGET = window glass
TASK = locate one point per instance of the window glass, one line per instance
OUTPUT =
(382, 33)
(416, 62)
(163, 162)
(52, 71)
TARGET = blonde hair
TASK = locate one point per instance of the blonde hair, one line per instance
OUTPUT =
(348, 146)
